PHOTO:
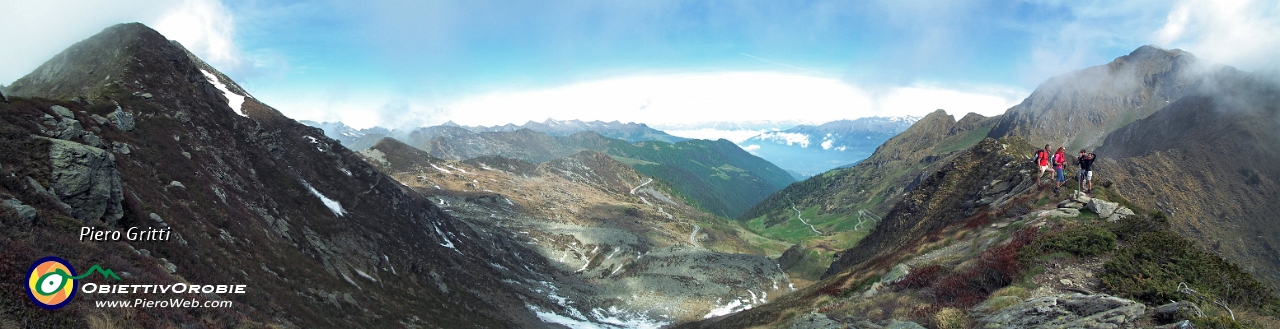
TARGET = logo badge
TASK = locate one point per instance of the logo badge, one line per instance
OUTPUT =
(51, 282)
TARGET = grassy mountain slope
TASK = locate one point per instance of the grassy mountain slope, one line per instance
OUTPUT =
(836, 202)
(977, 238)
(717, 176)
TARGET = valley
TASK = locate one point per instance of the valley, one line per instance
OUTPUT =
(617, 225)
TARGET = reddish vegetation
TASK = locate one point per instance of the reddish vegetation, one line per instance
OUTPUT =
(995, 268)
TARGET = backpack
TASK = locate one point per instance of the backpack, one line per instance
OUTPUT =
(1035, 157)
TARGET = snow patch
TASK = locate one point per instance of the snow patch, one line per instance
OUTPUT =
(447, 243)
(234, 100)
(345, 171)
(440, 169)
(333, 205)
(366, 275)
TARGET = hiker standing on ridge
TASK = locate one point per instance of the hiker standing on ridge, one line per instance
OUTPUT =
(1042, 159)
(1059, 163)
(1085, 175)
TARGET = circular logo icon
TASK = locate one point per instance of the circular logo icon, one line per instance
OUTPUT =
(50, 282)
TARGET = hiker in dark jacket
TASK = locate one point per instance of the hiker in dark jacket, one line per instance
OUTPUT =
(1085, 175)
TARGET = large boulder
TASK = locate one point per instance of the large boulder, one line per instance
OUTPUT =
(1068, 311)
(1103, 208)
(86, 179)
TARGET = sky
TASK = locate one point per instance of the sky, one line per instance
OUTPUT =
(676, 65)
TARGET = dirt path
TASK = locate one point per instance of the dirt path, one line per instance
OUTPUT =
(693, 236)
(633, 189)
(815, 230)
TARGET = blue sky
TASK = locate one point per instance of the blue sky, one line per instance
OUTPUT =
(673, 64)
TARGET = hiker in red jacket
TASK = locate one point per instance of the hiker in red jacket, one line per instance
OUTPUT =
(1059, 163)
(1042, 159)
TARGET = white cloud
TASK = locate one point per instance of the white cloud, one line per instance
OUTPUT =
(788, 138)
(733, 135)
(1241, 33)
(206, 28)
(681, 99)
(34, 31)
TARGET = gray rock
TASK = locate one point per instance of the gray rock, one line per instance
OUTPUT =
(1103, 208)
(1184, 324)
(994, 305)
(48, 120)
(1068, 311)
(896, 274)
(1073, 204)
(24, 211)
(186, 154)
(143, 95)
(1175, 311)
(86, 179)
(895, 324)
(99, 119)
(62, 111)
(815, 321)
(62, 206)
(1059, 212)
(119, 147)
(1080, 197)
(92, 140)
(123, 120)
(177, 184)
(173, 269)
(157, 218)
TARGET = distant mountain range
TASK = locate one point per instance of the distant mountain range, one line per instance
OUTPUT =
(630, 131)
(810, 150)
(359, 139)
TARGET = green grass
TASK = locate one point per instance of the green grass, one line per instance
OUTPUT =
(970, 139)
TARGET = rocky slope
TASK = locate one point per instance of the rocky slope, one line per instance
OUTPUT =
(633, 248)
(127, 129)
(1078, 109)
(1209, 161)
(811, 150)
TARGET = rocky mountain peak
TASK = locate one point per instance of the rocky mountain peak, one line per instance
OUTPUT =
(1077, 109)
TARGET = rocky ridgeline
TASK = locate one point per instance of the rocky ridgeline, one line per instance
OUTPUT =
(1078, 201)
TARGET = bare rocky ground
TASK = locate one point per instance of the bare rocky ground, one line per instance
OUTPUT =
(628, 254)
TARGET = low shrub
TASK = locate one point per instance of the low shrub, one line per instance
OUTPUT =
(1079, 241)
(1150, 268)
(994, 269)
(949, 318)
(1129, 228)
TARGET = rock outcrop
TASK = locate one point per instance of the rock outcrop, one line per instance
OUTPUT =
(24, 211)
(86, 179)
(1068, 311)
